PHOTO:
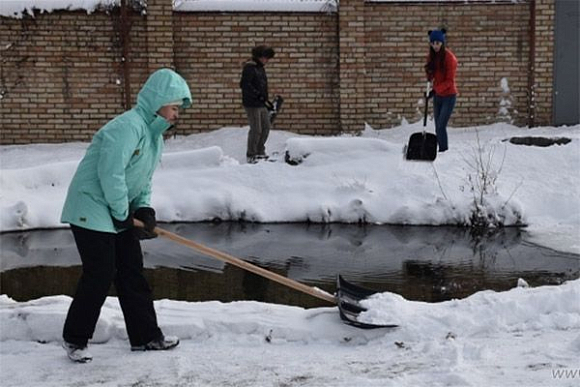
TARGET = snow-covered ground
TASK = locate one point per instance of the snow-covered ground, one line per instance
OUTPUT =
(525, 336)
(342, 179)
(522, 337)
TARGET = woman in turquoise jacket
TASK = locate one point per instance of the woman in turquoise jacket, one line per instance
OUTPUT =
(112, 185)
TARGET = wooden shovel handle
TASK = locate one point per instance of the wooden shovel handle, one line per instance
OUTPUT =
(315, 292)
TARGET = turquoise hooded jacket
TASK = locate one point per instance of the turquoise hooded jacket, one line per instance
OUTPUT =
(114, 177)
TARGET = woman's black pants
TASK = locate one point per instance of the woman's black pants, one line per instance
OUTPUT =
(108, 258)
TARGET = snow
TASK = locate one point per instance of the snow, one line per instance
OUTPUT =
(527, 337)
(17, 8)
(504, 85)
(524, 336)
(340, 179)
(256, 5)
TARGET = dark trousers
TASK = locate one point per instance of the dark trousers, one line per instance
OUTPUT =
(442, 109)
(109, 258)
(259, 122)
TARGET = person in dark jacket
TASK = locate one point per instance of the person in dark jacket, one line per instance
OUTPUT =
(254, 85)
(110, 188)
(440, 69)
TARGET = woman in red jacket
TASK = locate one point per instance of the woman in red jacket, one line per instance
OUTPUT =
(440, 68)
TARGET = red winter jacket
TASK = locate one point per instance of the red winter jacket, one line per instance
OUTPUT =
(444, 81)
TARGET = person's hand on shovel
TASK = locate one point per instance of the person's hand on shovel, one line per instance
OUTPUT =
(429, 92)
(144, 230)
(147, 216)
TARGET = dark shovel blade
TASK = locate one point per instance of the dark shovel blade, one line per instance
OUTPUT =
(422, 146)
(349, 296)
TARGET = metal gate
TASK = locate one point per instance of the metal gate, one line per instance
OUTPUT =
(566, 59)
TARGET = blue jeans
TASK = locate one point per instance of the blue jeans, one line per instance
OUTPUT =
(442, 109)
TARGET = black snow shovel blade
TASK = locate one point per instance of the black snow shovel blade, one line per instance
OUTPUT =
(422, 146)
(349, 297)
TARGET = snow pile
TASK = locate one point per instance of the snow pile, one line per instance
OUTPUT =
(519, 337)
(521, 309)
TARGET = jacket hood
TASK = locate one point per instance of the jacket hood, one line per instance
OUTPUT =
(254, 62)
(163, 86)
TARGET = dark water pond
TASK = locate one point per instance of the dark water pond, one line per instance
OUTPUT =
(420, 263)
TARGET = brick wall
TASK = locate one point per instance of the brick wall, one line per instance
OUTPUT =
(544, 62)
(59, 77)
(352, 70)
(159, 34)
(62, 74)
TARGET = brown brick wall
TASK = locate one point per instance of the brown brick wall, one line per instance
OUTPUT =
(58, 77)
(62, 75)
(352, 70)
(544, 62)
(159, 34)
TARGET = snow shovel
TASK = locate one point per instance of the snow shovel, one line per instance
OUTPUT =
(274, 107)
(422, 146)
(348, 295)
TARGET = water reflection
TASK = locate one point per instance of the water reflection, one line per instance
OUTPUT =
(421, 263)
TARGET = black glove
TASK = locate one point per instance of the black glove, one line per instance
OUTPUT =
(123, 224)
(269, 105)
(147, 216)
(430, 94)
